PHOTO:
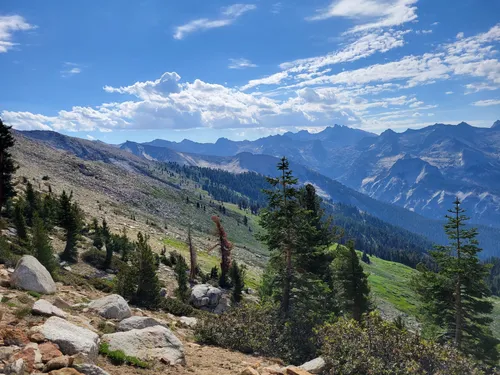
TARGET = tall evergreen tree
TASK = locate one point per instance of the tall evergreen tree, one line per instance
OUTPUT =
(455, 297)
(350, 282)
(32, 203)
(70, 220)
(7, 167)
(41, 244)
(237, 274)
(148, 285)
(181, 269)
(225, 251)
(19, 221)
(106, 238)
(192, 257)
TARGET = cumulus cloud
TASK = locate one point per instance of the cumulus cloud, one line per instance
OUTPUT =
(373, 14)
(241, 64)
(8, 26)
(227, 16)
(70, 69)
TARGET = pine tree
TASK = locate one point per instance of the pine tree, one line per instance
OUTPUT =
(350, 282)
(7, 167)
(70, 220)
(148, 285)
(106, 238)
(181, 269)
(19, 221)
(32, 204)
(126, 282)
(225, 251)
(192, 257)
(455, 297)
(41, 244)
(365, 258)
(237, 274)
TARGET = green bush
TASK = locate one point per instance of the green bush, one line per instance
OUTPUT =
(104, 285)
(22, 312)
(9, 253)
(177, 307)
(34, 294)
(96, 258)
(118, 357)
(375, 346)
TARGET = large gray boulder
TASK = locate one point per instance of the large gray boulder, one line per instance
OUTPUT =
(139, 322)
(205, 295)
(149, 343)
(71, 338)
(111, 307)
(315, 366)
(31, 275)
(43, 307)
(90, 369)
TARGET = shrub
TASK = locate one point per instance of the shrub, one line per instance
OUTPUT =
(34, 294)
(96, 258)
(375, 346)
(118, 357)
(24, 299)
(104, 285)
(22, 312)
(177, 307)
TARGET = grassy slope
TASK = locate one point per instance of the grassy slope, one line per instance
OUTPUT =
(390, 286)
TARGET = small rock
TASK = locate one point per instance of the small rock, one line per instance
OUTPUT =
(71, 338)
(315, 366)
(249, 371)
(6, 352)
(15, 368)
(90, 369)
(29, 357)
(58, 363)
(163, 292)
(37, 337)
(223, 305)
(296, 371)
(43, 307)
(65, 371)
(62, 304)
(13, 336)
(139, 322)
(31, 275)
(49, 351)
(111, 307)
(188, 321)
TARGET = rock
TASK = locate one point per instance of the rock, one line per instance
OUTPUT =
(292, 370)
(249, 371)
(90, 369)
(65, 371)
(58, 363)
(37, 337)
(13, 336)
(30, 356)
(71, 338)
(111, 307)
(43, 307)
(15, 368)
(49, 351)
(31, 275)
(223, 305)
(315, 366)
(163, 292)
(188, 321)
(149, 343)
(6, 352)
(139, 322)
(62, 304)
(205, 295)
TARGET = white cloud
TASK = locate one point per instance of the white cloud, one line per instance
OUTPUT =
(486, 103)
(435, 23)
(449, 92)
(227, 16)
(276, 8)
(373, 14)
(241, 64)
(70, 69)
(423, 31)
(460, 35)
(90, 137)
(8, 26)
(480, 86)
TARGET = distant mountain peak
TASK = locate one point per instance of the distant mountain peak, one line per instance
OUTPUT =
(496, 125)
(463, 124)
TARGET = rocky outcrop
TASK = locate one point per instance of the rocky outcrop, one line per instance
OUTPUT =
(138, 322)
(111, 307)
(71, 338)
(43, 307)
(149, 343)
(205, 295)
(31, 275)
(188, 321)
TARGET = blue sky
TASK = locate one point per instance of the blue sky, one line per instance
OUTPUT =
(198, 69)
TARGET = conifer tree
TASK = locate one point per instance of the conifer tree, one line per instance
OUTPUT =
(237, 274)
(350, 282)
(181, 269)
(71, 221)
(148, 285)
(7, 167)
(192, 257)
(19, 221)
(32, 203)
(455, 297)
(225, 251)
(41, 244)
(106, 236)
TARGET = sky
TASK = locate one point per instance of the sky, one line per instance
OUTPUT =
(119, 70)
